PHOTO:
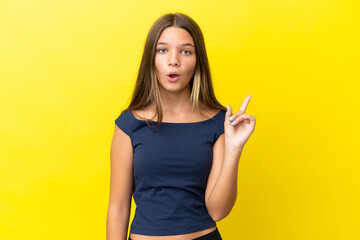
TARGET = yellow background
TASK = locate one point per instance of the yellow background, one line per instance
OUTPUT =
(67, 69)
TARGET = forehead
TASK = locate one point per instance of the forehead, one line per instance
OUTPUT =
(175, 35)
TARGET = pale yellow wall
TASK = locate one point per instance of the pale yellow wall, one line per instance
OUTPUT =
(67, 68)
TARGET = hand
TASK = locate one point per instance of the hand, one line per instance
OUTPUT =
(236, 135)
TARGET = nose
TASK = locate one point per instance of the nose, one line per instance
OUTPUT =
(174, 60)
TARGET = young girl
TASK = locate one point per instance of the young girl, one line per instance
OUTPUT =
(175, 149)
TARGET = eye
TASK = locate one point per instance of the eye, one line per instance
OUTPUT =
(161, 50)
(186, 52)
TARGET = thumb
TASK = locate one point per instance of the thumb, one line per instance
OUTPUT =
(228, 115)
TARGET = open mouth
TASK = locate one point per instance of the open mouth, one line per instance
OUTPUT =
(173, 75)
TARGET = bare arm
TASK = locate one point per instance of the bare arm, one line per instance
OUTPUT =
(121, 186)
(221, 190)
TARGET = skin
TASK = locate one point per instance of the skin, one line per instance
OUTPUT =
(175, 52)
(221, 190)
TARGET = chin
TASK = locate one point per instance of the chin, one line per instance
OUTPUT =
(173, 88)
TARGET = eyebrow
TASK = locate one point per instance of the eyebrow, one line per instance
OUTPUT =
(185, 44)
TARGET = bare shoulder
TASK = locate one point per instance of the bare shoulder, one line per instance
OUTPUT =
(143, 114)
(209, 112)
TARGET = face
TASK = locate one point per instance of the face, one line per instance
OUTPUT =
(175, 53)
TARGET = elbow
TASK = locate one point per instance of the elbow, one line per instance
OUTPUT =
(217, 215)
(216, 219)
(220, 212)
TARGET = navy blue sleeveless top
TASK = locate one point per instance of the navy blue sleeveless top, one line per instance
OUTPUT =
(171, 166)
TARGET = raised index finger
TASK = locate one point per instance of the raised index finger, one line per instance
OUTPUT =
(245, 103)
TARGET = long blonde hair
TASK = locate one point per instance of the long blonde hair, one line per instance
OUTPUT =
(146, 89)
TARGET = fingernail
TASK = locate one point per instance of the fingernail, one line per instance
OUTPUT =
(231, 118)
(228, 107)
(233, 123)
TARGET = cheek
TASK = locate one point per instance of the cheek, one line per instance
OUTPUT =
(191, 65)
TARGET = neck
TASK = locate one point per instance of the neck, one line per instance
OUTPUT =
(176, 102)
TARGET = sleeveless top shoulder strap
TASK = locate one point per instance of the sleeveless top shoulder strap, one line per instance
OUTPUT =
(126, 122)
(219, 120)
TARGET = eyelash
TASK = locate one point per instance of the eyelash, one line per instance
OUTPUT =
(158, 50)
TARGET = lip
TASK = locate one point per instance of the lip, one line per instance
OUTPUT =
(173, 73)
(173, 79)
